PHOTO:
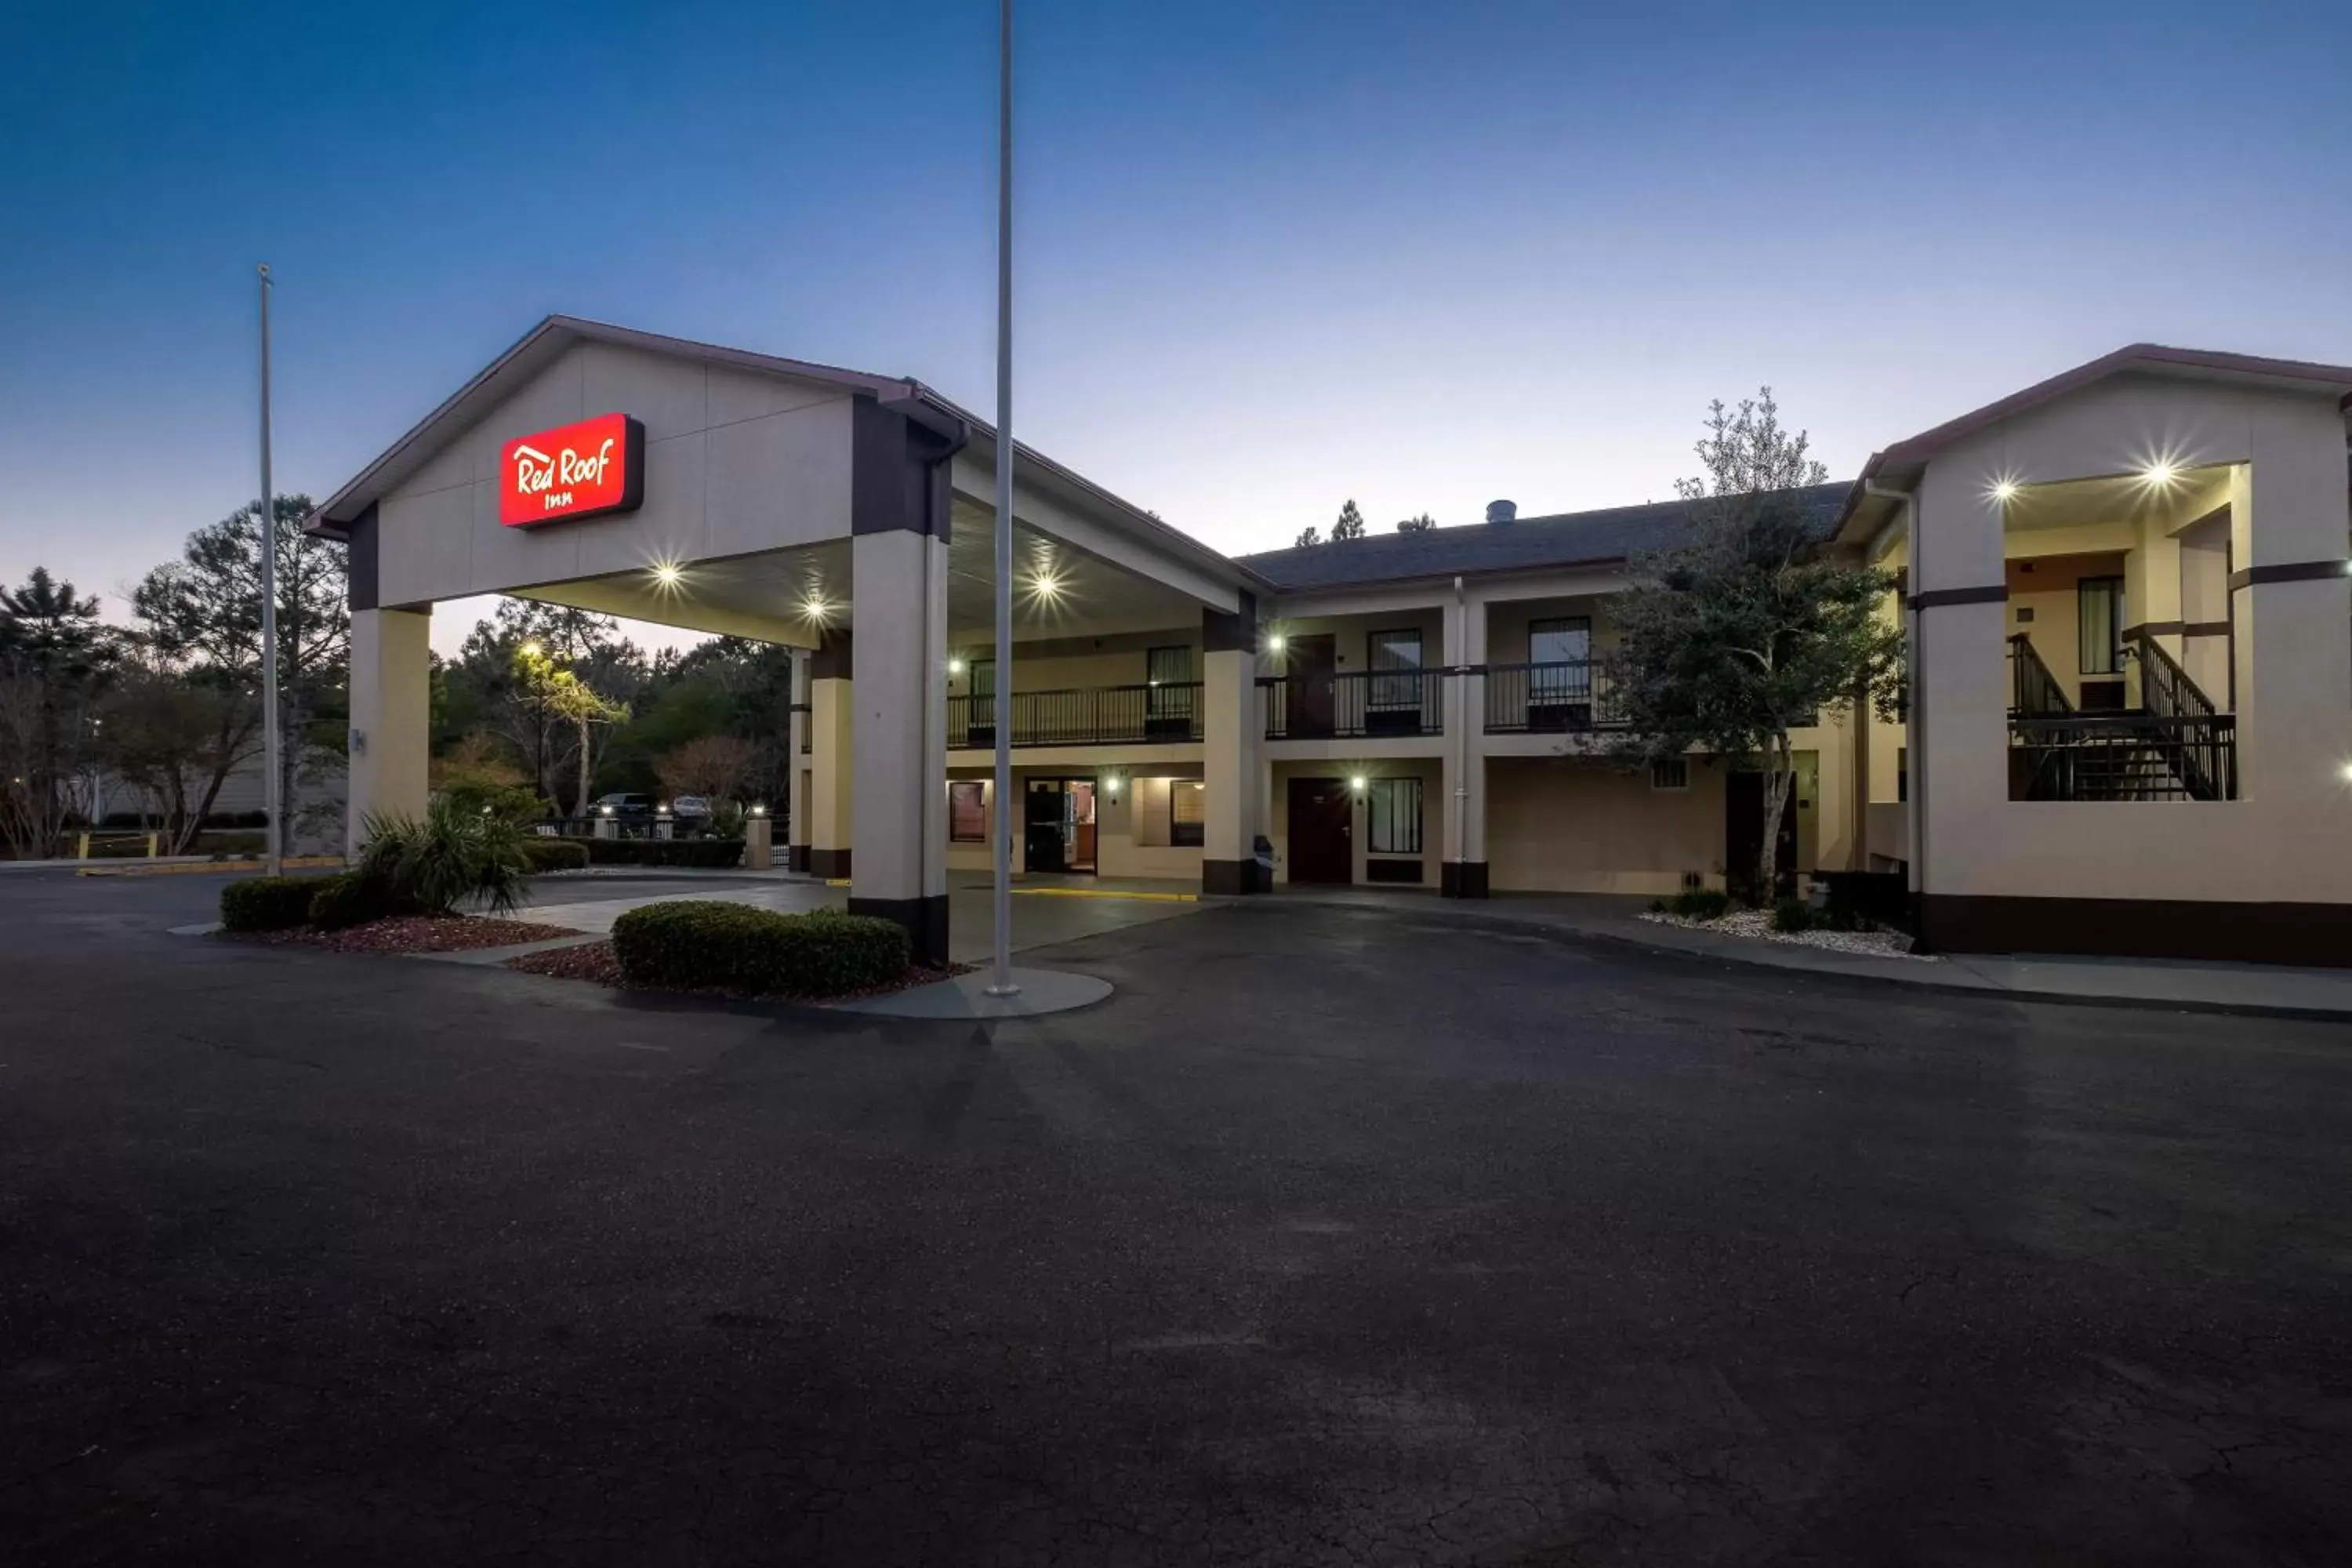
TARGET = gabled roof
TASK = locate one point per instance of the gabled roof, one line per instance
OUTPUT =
(1898, 466)
(545, 342)
(533, 352)
(1529, 543)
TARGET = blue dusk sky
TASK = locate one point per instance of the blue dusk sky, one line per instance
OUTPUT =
(1271, 255)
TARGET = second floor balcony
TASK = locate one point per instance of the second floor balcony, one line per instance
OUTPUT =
(1557, 697)
(1161, 712)
(1323, 706)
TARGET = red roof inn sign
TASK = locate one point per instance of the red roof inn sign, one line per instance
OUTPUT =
(587, 469)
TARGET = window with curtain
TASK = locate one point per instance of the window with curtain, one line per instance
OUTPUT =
(1396, 669)
(1394, 808)
(1565, 641)
(1168, 673)
(1187, 799)
(966, 812)
(2099, 624)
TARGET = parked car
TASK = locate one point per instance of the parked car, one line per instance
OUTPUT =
(625, 805)
(691, 807)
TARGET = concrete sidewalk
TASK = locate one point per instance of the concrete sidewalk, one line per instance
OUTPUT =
(2177, 983)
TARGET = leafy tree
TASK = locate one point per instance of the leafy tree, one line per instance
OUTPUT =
(176, 736)
(1749, 628)
(202, 614)
(1420, 523)
(1350, 524)
(1307, 536)
(563, 696)
(486, 687)
(54, 654)
(711, 766)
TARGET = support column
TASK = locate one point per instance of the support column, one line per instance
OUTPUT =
(1229, 732)
(899, 705)
(1462, 873)
(391, 700)
(831, 751)
(797, 735)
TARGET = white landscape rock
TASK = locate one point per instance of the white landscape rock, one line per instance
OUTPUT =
(1758, 924)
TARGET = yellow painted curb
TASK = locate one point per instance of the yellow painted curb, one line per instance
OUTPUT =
(210, 867)
(837, 882)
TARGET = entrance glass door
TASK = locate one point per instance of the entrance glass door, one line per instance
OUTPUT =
(1058, 831)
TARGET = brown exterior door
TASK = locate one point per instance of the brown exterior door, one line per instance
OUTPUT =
(1322, 824)
(1309, 662)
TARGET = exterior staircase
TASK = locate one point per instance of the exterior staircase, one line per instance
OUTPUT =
(2176, 747)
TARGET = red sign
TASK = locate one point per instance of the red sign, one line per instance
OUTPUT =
(574, 471)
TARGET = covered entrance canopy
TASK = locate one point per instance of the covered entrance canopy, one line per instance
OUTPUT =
(746, 495)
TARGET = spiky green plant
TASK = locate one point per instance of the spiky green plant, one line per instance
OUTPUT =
(451, 858)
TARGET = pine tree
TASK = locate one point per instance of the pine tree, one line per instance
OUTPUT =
(1350, 524)
(1422, 523)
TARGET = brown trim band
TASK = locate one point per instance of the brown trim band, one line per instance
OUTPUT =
(1936, 598)
(1231, 878)
(2205, 629)
(924, 919)
(835, 658)
(2290, 572)
(831, 864)
(1234, 633)
(2152, 629)
(2249, 932)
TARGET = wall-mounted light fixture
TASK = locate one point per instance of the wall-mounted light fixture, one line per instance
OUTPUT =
(955, 667)
(1274, 642)
(1357, 783)
(1111, 787)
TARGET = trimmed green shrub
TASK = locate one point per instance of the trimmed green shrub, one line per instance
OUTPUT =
(1701, 903)
(708, 944)
(701, 854)
(1793, 915)
(350, 900)
(267, 903)
(555, 854)
(449, 857)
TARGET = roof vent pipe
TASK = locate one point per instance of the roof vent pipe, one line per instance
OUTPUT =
(1502, 511)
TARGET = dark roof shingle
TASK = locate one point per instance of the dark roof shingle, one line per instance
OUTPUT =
(1530, 544)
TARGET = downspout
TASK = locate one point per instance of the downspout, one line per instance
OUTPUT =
(1916, 723)
(1460, 739)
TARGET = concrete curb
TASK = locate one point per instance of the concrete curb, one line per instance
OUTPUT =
(1959, 976)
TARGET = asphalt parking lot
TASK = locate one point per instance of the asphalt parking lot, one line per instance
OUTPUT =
(1344, 1235)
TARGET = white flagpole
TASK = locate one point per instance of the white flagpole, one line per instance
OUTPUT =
(1000, 699)
(272, 806)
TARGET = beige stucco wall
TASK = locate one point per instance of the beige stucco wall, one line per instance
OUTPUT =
(2289, 837)
(1431, 770)
(2051, 587)
(1062, 664)
(1558, 824)
(1131, 828)
(735, 463)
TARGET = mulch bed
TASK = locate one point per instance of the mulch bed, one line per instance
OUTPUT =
(421, 933)
(593, 962)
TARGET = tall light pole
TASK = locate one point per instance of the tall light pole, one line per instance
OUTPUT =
(272, 806)
(1000, 699)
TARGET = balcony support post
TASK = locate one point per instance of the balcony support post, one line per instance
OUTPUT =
(1230, 723)
(1462, 873)
(830, 792)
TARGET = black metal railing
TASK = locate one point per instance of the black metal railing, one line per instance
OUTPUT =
(2123, 756)
(1356, 704)
(2173, 700)
(1560, 697)
(1166, 711)
(2034, 691)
